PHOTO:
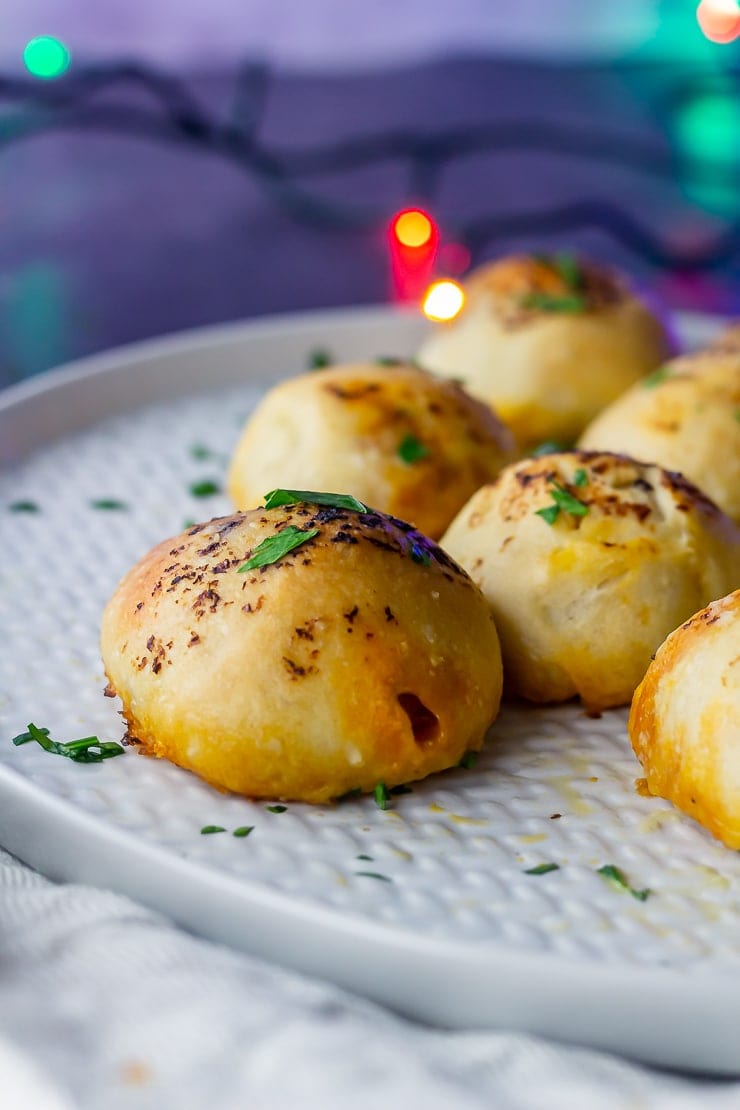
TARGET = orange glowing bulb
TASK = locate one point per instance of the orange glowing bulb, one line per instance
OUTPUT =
(413, 228)
(719, 20)
(443, 301)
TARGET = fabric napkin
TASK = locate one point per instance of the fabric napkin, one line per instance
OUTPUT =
(105, 1005)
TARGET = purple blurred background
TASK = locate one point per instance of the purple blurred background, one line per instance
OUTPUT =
(117, 225)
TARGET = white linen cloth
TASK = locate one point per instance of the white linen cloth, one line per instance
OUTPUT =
(105, 1005)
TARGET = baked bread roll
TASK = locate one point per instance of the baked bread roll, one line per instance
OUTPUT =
(362, 655)
(588, 561)
(548, 341)
(394, 436)
(685, 416)
(727, 340)
(685, 719)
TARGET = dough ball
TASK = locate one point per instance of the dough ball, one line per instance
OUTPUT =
(363, 655)
(685, 719)
(728, 340)
(394, 436)
(588, 561)
(685, 416)
(548, 341)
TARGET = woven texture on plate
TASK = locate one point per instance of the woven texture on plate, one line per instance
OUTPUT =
(553, 786)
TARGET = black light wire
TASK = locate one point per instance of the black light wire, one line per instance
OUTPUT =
(81, 101)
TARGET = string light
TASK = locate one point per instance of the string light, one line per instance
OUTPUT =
(413, 228)
(719, 20)
(443, 301)
(46, 57)
(175, 115)
(413, 243)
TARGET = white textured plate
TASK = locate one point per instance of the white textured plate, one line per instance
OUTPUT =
(448, 926)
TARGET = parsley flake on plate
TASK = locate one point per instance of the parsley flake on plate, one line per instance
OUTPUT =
(374, 875)
(243, 830)
(272, 549)
(206, 487)
(276, 809)
(382, 796)
(617, 878)
(87, 750)
(208, 829)
(23, 507)
(542, 869)
(319, 358)
(108, 503)
(469, 760)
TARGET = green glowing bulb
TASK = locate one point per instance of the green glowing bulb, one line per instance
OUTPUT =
(46, 57)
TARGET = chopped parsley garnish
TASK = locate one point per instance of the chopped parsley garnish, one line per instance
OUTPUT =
(355, 792)
(243, 830)
(203, 454)
(374, 875)
(23, 507)
(550, 514)
(382, 796)
(275, 547)
(419, 555)
(580, 478)
(551, 302)
(549, 447)
(200, 452)
(566, 264)
(87, 750)
(319, 358)
(657, 376)
(469, 760)
(542, 869)
(276, 809)
(277, 497)
(205, 488)
(563, 501)
(108, 503)
(368, 859)
(618, 879)
(412, 450)
(207, 829)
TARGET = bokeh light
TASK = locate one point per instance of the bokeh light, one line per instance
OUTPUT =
(443, 300)
(413, 228)
(719, 20)
(46, 57)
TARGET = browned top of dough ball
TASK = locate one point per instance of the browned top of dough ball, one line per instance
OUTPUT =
(519, 288)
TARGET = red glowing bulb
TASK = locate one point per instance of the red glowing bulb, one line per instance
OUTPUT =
(413, 228)
(413, 240)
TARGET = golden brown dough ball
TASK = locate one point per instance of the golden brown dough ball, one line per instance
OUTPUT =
(548, 341)
(685, 719)
(685, 416)
(728, 340)
(394, 436)
(362, 655)
(588, 561)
